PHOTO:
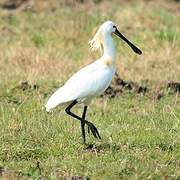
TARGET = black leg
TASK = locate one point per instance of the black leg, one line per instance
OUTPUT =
(83, 124)
(89, 124)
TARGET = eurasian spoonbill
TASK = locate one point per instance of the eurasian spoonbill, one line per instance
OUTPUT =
(92, 80)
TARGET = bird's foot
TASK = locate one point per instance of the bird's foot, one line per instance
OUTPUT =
(93, 130)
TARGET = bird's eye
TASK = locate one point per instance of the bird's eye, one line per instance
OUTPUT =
(114, 26)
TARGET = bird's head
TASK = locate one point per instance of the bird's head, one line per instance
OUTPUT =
(109, 28)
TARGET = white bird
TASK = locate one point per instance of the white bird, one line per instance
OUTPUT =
(92, 80)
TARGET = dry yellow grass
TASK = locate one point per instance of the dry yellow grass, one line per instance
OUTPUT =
(36, 46)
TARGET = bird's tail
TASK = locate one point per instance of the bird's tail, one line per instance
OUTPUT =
(58, 98)
(49, 106)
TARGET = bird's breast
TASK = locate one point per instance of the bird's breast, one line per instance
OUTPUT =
(108, 61)
(103, 79)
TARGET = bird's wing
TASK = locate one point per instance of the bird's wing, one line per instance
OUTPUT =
(86, 82)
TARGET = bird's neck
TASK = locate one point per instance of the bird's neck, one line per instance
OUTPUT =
(109, 47)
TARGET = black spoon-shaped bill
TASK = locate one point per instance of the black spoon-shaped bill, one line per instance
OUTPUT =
(134, 48)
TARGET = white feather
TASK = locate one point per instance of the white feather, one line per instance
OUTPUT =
(87, 83)
(93, 79)
(96, 42)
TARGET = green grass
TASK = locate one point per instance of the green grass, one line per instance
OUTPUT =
(139, 138)
(140, 135)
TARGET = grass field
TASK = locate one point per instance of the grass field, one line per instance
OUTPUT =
(43, 46)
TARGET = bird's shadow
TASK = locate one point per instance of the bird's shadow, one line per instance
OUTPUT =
(100, 148)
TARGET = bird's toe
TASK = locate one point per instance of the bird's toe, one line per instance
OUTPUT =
(93, 130)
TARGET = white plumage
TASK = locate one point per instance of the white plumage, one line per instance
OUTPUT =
(87, 83)
(93, 79)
